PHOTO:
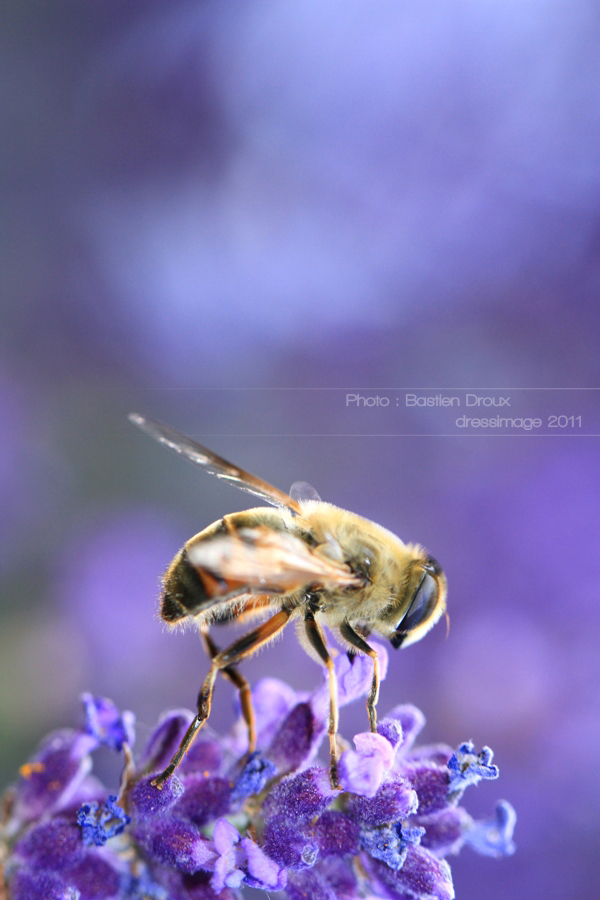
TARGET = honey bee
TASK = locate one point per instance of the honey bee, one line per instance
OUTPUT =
(306, 561)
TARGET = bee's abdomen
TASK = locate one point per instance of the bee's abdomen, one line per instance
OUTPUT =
(184, 592)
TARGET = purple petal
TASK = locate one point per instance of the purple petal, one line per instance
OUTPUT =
(28, 885)
(141, 887)
(184, 886)
(227, 844)
(430, 781)
(54, 775)
(423, 872)
(53, 845)
(336, 834)
(310, 885)
(225, 876)
(363, 771)
(354, 679)
(466, 767)
(95, 878)
(393, 801)
(412, 722)
(439, 754)
(177, 844)
(289, 845)
(340, 876)
(384, 843)
(493, 837)
(371, 745)
(205, 757)
(391, 730)
(252, 779)
(272, 700)
(104, 722)
(298, 739)
(99, 824)
(148, 801)
(299, 798)
(262, 871)
(225, 836)
(445, 830)
(422, 875)
(165, 739)
(204, 800)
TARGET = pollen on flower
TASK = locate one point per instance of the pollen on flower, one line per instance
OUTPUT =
(270, 821)
(28, 769)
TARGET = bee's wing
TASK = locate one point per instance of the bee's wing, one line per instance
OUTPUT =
(214, 464)
(301, 490)
(262, 560)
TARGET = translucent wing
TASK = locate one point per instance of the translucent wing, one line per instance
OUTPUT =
(262, 560)
(214, 464)
(301, 490)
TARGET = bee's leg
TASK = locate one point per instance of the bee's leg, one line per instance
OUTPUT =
(364, 632)
(241, 684)
(316, 637)
(241, 648)
(350, 635)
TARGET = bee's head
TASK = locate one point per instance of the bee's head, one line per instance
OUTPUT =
(423, 602)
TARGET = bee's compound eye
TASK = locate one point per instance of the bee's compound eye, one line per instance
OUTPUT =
(421, 607)
(432, 565)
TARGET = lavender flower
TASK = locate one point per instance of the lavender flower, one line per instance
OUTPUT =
(269, 821)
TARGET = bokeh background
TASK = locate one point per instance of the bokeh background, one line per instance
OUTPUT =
(210, 205)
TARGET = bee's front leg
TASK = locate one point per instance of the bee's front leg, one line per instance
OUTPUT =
(356, 640)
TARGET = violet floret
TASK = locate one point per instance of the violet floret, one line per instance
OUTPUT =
(395, 800)
(466, 767)
(254, 776)
(106, 724)
(176, 844)
(53, 845)
(147, 802)
(100, 823)
(50, 780)
(298, 738)
(364, 770)
(298, 798)
(493, 837)
(204, 799)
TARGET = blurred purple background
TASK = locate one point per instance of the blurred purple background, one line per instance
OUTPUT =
(363, 196)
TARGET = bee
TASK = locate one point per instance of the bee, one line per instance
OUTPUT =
(307, 562)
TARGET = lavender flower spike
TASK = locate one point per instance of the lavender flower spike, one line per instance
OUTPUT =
(227, 821)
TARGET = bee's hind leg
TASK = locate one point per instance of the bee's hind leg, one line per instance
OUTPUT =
(240, 649)
(240, 683)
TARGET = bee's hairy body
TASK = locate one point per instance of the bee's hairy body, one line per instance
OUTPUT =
(383, 563)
